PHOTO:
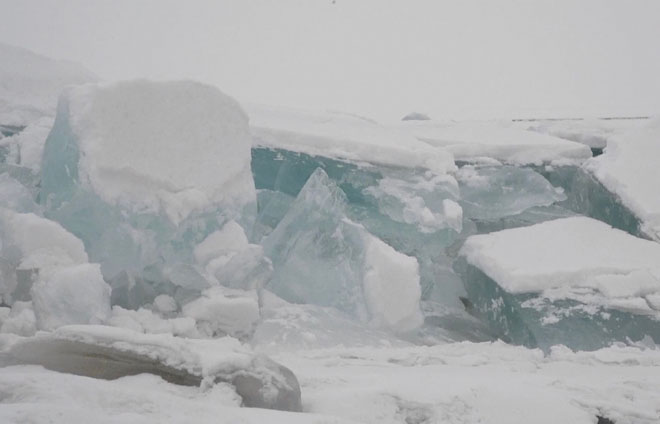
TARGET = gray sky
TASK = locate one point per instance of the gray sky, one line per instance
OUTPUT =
(374, 57)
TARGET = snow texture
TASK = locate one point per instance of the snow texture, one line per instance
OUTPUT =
(629, 169)
(343, 136)
(168, 147)
(479, 141)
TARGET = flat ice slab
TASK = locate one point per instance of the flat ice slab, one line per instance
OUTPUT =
(343, 136)
(482, 141)
(629, 168)
(31, 84)
(571, 253)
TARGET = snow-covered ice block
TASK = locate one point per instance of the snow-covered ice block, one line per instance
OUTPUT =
(31, 84)
(573, 281)
(26, 148)
(629, 169)
(15, 196)
(493, 192)
(221, 311)
(71, 295)
(343, 136)
(323, 258)
(474, 141)
(144, 171)
(32, 248)
(111, 352)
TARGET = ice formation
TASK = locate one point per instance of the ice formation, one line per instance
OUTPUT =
(152, 228)
(628, 169)
(342, 136)
(321, 257)
(142, 172)
(574, 281)
(475, 141)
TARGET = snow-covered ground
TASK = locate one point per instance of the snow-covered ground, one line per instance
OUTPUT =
(455, 383)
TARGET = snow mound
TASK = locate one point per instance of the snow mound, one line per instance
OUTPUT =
(474, 141)
(343, 136)
(629, 169)
(570, 253)
(31, 84)
(151, 147)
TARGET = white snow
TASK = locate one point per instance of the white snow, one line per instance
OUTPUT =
(221, 245)
(30, 143)
(176, 147)
(455, 383)
(32, 242)
(500, 141)
(629, 168)
(567, 254)
(595, 133)
(71, 295)
(342, 136)
(221, 311)
(391, 286)
(30, 84)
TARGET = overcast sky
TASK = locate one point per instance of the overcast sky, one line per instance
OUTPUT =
(374, 57)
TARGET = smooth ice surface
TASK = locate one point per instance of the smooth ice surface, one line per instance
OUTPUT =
(570, 254)
(321, 257)
(477, 141)
(629, 169)
(171, 147)
(343, 136)
(71, 295)
(31, 84)
(494, 192)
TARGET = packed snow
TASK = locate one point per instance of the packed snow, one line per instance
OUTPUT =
(343, 136)
(488, 141)
(629, 169)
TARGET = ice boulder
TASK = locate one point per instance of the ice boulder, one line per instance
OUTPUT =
(31, 249)
(71, 295)
(573, 281)
(322, 257)
(144, 171)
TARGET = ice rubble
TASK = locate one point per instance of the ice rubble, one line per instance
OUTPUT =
(628, 168)
(31, 84)
(321, 257)
(480, 141)
(574, 281)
